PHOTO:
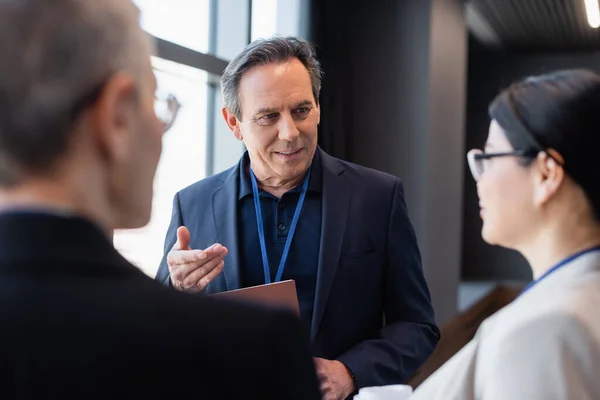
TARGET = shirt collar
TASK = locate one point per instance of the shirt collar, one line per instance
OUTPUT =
(314, 183)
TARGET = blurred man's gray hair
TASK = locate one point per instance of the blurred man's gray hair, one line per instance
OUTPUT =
(53, 54)
(268, 51)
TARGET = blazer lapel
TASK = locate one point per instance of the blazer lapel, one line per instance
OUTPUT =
(336, 200)
(224, 205)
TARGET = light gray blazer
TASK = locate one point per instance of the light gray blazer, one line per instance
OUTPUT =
(545, 345)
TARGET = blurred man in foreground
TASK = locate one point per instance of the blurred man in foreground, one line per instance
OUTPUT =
(79, 146)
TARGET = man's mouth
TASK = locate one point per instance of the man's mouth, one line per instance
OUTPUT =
(289, 152)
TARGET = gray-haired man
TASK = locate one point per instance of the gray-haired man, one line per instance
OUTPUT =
(79, 146)
(290, 211)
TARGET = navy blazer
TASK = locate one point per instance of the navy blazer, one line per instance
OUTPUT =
(372, 306)
(80, 322)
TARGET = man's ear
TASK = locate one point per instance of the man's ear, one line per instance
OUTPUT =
(318, 108)
(550, 177)
(113, 116)
(233, 123)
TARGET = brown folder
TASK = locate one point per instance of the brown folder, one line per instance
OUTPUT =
(279, 294)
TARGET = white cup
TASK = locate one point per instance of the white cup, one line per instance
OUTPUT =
(391, 392)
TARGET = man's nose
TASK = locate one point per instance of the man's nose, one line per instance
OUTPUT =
(287, 128)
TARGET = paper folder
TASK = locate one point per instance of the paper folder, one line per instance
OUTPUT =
(279, 294)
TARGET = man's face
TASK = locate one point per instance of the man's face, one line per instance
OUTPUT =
(145, 151)
(279, 120)
(136, 153)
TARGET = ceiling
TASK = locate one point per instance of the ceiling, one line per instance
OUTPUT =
(549, 25)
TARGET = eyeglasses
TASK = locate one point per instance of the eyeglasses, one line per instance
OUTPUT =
(166, 108)
(166, 105)
(478, 165)
(478, 159)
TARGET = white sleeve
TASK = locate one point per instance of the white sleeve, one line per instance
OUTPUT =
(552, 357)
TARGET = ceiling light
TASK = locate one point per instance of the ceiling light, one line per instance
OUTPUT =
(593, 13)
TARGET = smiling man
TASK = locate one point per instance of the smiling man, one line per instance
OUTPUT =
(288, 210)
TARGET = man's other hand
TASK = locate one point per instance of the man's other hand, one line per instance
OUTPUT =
(336, 381)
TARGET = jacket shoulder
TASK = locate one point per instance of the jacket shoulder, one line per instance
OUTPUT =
(361, 175)
(206, 186)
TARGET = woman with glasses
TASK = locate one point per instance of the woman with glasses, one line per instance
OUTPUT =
(538, 182)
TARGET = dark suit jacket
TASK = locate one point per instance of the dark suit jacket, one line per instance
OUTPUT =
(77, 321)
(369, 268)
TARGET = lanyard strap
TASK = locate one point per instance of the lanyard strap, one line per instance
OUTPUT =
(561, 264)
(261, 228)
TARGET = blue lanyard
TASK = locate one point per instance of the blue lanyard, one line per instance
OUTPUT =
(561, 264)
(261, 229)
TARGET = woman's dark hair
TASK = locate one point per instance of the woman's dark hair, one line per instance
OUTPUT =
(559, 111)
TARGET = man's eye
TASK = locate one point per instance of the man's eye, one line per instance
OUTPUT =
(302, 112)
(267, 119)
(268, 116)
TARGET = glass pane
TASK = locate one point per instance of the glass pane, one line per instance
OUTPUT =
(264, 18)
(232, 27)
(275, 17)
(182, 163)
(182, 22)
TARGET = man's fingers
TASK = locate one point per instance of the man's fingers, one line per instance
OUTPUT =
(321, 372)
(180, 272)
(216, 250)
(319, 366)
(185, 262)
(211, 275)
(327, 392)
(183, 257)
(325, 384)
(183, 239)
(187, 267)
(193, 278)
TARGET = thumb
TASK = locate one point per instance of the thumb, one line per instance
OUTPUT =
(183, 239)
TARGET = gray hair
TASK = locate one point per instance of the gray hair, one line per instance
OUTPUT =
(52, 54)
(268, 51)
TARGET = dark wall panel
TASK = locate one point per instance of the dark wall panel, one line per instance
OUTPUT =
(489, 72)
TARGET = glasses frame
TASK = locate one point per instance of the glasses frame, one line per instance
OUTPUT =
(161, 99)
(166, 102)
(474, 156)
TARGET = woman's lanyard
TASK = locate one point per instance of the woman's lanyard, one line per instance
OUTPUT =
(261, 228)
(561, 264)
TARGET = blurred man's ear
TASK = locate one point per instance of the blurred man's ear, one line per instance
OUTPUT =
(233, 123)
(113, 116)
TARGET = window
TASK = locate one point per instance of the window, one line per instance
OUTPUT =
(182, 22)
(264, 18)
(276, 17)
(196, 39)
